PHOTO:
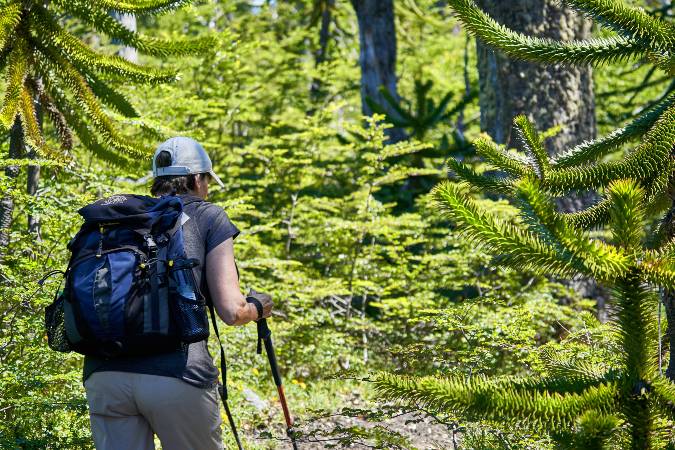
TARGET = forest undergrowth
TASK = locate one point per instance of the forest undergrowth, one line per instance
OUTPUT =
(366, 272)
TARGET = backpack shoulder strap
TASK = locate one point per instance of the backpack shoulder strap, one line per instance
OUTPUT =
(223, 363)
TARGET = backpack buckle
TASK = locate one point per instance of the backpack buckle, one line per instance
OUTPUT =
(150, 243)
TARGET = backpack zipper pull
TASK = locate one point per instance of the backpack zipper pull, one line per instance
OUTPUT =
(99, 251)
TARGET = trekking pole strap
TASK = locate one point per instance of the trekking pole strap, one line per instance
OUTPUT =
(223, 371)
(257, 304)
(264, 333)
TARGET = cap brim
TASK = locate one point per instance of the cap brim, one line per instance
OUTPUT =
(216, 178)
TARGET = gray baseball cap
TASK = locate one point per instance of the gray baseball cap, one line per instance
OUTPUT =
(187, 157)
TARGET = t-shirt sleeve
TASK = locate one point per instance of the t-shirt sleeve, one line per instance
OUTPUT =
(219, 227)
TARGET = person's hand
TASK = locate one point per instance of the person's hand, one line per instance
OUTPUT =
(264, 299)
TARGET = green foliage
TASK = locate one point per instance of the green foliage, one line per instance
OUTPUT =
(364, 274)
(631, 22)
(594, 150)
(71, 80)
(528, 400)
(426, 114)
(592, 403)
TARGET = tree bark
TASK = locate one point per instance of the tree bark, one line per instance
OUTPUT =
(548, 95)
(668, 299)
(377, 56)
(129, 21)
(322, 51)
(668, 296)
(16, 150)
(33, 179)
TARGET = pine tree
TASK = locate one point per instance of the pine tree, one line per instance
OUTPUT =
(628, 406)
(71, 81)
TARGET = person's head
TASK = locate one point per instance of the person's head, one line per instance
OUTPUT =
(181, 166)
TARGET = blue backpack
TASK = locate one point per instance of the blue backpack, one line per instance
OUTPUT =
(129, 287)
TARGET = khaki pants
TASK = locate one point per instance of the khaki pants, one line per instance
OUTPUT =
(126, 409)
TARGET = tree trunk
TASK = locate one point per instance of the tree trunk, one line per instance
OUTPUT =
(548, 95)
(33, 180)
(321, 52)
(668, 297)
(129, 21)
(377, 56)
(16, 150)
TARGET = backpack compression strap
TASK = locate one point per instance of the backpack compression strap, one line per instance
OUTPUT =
(223, 371)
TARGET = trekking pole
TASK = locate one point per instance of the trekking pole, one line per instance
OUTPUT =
(265, 336)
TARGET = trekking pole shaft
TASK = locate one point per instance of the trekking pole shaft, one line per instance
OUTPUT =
(265, 334)
(284, 406)
(287, 416)
(272, 357)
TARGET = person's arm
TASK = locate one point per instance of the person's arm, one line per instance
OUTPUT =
(223, 283)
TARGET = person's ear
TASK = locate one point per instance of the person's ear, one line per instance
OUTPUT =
(204, 183)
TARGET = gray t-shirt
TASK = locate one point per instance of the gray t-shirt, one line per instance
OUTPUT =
(206, 228)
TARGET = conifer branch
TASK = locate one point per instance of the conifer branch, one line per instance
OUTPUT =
(32, 41)
(73, 114)
(593, 430)
(101, 20)
(140, 6)
(631, 22)
(110, 97)
(53, 64)
(643, 164)
(663, 391)
(514, 246)
(10, 16)
(533, 145)
(658, 271)
(16, 75)
(599, 260)
(57, 40)
(589, 218)
(500, 157)
(485, 182)
(546, 51)
(481, 399)
(636, 305)
(627, 213)
(31, 128)
(57, 118)
(596, 149)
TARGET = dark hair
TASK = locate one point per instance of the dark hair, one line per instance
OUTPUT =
(171, 184)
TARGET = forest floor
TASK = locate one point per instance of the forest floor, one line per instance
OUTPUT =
(336, 430)
(422, 434)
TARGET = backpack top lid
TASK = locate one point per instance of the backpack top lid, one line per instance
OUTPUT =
(141, 212)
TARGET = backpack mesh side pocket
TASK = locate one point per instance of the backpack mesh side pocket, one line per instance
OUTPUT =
(193, 323)
(188, 303)
(55, 324)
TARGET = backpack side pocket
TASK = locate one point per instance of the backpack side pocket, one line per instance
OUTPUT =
(55, 323)
(188, 303)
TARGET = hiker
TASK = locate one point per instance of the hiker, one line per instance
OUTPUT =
(174, 395)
